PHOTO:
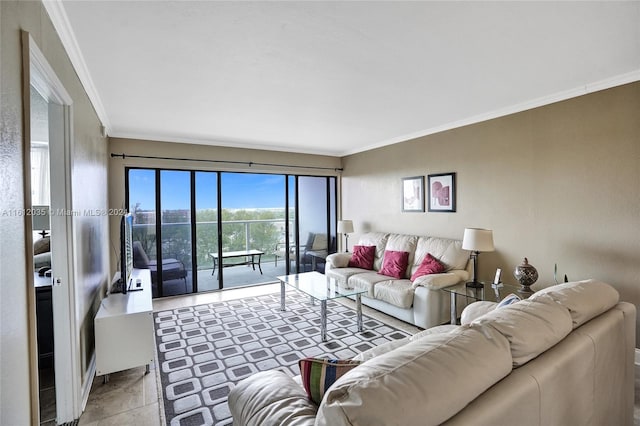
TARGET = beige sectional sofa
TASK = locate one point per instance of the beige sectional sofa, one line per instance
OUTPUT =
(420, 302)
(565, 356)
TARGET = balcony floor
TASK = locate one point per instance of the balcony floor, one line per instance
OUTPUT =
(234, 276)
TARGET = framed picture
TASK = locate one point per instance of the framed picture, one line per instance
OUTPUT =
(442, 192)
(413, 194)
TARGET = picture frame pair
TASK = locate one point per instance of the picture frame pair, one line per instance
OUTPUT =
(441, 193)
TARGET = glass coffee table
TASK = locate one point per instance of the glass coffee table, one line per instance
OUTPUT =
(322, 288)
(488, 291)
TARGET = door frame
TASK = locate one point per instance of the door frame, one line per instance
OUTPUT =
(69, 390)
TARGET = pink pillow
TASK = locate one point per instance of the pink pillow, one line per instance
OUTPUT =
(394, 263)
(363, 257)
(429, 265)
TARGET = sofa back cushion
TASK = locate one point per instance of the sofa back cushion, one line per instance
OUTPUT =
(378, 239)
(409, 385)
(447, 251)
(584, 299)
(402, 242)
(362, 257)
(43, 245)
(429, 265)
(530, 326)
(394, 264)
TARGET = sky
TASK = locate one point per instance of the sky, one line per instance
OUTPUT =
(266, 191)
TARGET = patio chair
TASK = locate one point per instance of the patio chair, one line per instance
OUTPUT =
(281, 249)
(172, 269)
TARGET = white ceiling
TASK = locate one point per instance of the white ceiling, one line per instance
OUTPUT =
(336, 77)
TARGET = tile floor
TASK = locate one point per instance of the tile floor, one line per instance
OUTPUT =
(131, 397)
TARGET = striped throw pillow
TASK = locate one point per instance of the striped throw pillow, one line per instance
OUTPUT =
(318, 374)
(509, 300)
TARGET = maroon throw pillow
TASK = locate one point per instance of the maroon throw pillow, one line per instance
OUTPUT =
(429, 265)
(362, 257)
(394, 263)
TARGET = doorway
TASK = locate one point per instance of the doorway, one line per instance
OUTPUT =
(41, 200)
(48, 102)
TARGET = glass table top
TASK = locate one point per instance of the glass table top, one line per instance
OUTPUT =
(489, 291)
(318, 286)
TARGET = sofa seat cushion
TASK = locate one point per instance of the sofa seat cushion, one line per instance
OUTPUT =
(396, 292)
(409, 385)
(342, 275)
(530, 326)
(367, 281)
(584, 299)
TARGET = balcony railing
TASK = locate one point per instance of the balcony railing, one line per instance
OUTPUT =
(259, 234)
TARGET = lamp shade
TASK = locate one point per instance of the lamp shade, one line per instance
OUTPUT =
(40, 218)
(476, 239)
(345, 226)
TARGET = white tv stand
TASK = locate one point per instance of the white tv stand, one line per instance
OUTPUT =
(124, 328)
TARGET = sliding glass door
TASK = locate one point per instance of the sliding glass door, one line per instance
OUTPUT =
(316, 202)
(253, 213)
(224, 229)
(206, 242)
(175, 276)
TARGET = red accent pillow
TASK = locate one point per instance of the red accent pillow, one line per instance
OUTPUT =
(394, 263)
(429, 265)
(363, 257)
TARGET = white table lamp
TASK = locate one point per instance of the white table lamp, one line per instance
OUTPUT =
(345, 227)
(477, 240)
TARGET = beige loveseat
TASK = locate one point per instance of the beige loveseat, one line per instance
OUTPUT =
(421, 302)
(565, 356)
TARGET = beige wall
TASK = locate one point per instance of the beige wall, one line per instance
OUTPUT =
(201, 152)
(89, 181)
(557, 184)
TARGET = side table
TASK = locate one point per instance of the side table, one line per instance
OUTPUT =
(488, 292)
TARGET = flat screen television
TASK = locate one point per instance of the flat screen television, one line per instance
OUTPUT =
(126, 251)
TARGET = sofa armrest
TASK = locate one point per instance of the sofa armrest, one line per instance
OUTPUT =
(438, 281)
(339, 260)
(270, 398)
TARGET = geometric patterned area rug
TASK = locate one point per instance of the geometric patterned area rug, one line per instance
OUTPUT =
(204, 350)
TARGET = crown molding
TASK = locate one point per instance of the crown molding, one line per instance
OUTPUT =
(217, 142)
(61, 23)
(596, 86)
